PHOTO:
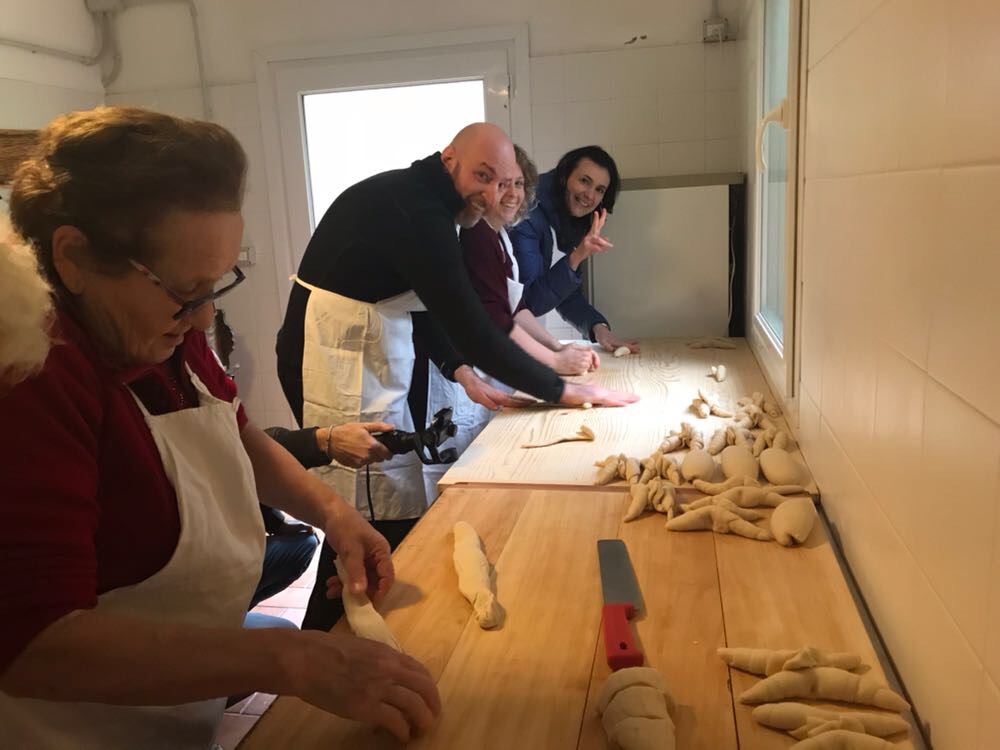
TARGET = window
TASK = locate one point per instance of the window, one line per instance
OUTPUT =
(771, 327)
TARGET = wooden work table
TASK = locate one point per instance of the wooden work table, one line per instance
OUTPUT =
(666, 375)
(532, 683)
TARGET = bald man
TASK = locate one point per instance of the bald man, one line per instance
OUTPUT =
(387, 247)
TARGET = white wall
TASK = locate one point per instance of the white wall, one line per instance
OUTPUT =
(35, 88)
(899, 409)
(671, 106)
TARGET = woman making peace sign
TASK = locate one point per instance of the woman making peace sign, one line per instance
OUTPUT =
(564, 230)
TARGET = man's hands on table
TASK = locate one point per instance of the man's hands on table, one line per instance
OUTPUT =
(609, 341)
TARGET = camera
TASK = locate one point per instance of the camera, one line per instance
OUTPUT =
(424, 442)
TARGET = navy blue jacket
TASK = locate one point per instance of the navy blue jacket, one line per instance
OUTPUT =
(547, 286)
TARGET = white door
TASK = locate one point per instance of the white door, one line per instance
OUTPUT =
(396, 100)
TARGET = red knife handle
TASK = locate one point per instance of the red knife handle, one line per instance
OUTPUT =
(619, 646)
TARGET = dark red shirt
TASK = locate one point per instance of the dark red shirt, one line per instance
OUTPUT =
(489, 267)
(85, 504)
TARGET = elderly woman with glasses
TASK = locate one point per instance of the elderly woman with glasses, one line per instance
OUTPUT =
(129, 474)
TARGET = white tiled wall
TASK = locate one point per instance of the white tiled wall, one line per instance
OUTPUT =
(658, 110)
(899, 415)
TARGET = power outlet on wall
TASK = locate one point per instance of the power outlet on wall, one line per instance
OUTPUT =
(715, 30)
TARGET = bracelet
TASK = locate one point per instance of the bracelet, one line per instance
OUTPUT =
(329, 441)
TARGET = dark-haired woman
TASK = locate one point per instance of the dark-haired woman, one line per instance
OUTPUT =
(562, 231)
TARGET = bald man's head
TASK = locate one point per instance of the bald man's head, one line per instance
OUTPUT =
(481, 162)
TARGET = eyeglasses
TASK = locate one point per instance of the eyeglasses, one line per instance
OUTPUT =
(188, 306)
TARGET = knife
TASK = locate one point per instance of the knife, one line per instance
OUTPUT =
(622, 602)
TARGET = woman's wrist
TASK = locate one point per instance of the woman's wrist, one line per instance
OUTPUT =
(323, 437)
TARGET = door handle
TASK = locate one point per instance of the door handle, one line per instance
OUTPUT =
(779, 115)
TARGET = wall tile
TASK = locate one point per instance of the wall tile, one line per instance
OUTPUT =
(722, 114)
(918, 87)
(972, 100)
(684, 157)
(682, 116)
(964, 336)
(548, 82)
(634, 120)
(849, 111)
(548, 126)
(722, 66)
(993, 605)
(588, 122)
(637, 160)
(831, 21)
(636, 72)
(897, 439)
(723, 155)
(955, 514)
(588, 76)
(682, 68)
(989, 728)
(906, 248)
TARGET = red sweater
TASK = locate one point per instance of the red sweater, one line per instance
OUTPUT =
(85, 504)
(489, 267)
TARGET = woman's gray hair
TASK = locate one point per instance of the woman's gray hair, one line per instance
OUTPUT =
(530, 172)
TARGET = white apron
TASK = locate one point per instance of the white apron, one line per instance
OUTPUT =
(357, 364)
(208, 581)
(470, 418)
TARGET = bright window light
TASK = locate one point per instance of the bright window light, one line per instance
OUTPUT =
(351, 135)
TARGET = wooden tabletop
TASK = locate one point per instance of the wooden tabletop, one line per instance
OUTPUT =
(532, 683)
(666, 374)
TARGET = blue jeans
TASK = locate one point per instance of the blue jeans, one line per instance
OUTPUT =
(286, 557)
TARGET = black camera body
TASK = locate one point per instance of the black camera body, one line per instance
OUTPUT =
(424, 442)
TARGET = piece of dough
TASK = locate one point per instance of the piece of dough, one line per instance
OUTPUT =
(584, 433)
(474, 579)
(841, 739)
(711, 342)
(365, 622)
(718, 372)
(607, 471)
(738, 461)
(621, 351)
(627, 677)
(792, 717)
(635, 708)
(639, 501)
(765, 661)
(824, 683)
(780, 468)
(698, 464)
(718, 441)
(753, 497)
(745, 513)
(719, 520)
(792, 521)
(717, 488)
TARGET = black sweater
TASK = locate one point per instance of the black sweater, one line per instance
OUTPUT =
(393, 233)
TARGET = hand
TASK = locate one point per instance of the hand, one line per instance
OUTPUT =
(575, 359)
(352, 444)
(485, 394)
(363, 552)
(361, 680)
(592, 243)
(609, 342)
(575, 394)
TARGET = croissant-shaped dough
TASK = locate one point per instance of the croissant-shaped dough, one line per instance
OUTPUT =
(607, 470)
(635, 708)
(717, 488)
(841, 739)
(364, 620)
(698, 464)
(739, 461)
(793, 520)
(824, 683)
(780, 468)
(745, 513)
(474, 580)
(719, 520)
(793, 717)
(765, 661)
